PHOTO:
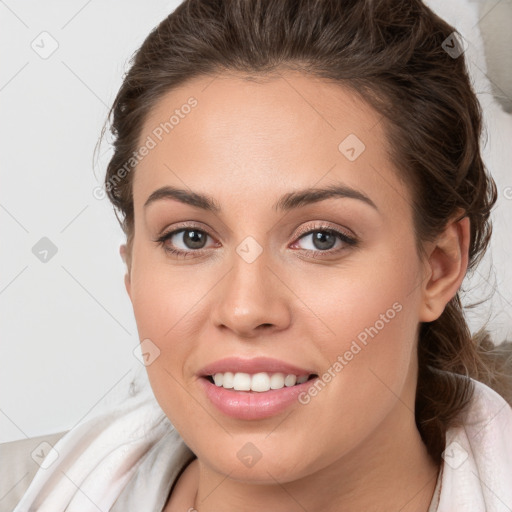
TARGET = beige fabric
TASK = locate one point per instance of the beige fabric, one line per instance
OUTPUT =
(18, 466)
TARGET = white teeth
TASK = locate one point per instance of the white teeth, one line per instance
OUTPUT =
(242, 382)
(227, 380)
(290, 380)
(259, 382)
(277, 381)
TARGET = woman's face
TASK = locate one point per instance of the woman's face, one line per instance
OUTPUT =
(266, 275)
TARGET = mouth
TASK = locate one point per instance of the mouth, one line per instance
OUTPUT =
(260, 382)
(254, 388)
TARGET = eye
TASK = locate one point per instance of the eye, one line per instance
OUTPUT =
(323, 239)
(191, 239)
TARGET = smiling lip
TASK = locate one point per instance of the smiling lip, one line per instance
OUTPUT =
(254, 365)
(251, 405)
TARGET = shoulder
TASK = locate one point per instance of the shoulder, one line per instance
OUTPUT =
(19, 462)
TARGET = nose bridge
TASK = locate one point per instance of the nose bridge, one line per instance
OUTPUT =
(251, 295)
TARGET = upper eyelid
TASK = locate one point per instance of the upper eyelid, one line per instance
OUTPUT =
(324, 226)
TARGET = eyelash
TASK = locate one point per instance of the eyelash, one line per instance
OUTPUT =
(348, 240)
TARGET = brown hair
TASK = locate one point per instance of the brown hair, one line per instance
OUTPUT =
(391, 52)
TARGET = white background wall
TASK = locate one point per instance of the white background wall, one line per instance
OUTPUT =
(67, 330)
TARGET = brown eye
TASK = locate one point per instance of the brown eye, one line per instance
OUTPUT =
(184, 241)
(323, 240)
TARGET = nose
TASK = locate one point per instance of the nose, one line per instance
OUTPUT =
(252, 299)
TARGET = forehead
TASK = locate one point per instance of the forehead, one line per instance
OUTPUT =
(226, 133)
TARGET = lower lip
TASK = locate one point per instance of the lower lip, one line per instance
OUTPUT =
(252, 405)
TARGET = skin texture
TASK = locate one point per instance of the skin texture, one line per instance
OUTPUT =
(248, 142)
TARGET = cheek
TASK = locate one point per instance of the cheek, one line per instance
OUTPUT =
(372, 300)
(367, 337)
(167, 312)
(371, 364)
(162, 295)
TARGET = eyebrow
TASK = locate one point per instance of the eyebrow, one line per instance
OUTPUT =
(287, 202)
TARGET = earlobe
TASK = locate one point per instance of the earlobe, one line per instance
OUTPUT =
(123, 253)
(447, 265)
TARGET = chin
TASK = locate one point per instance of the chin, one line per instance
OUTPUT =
(256, 462)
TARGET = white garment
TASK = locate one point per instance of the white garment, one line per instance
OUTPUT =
(477, 468)
(129, 459)
(125, 460)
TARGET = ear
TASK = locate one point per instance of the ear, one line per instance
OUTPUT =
(446, 268)
(127, 283)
